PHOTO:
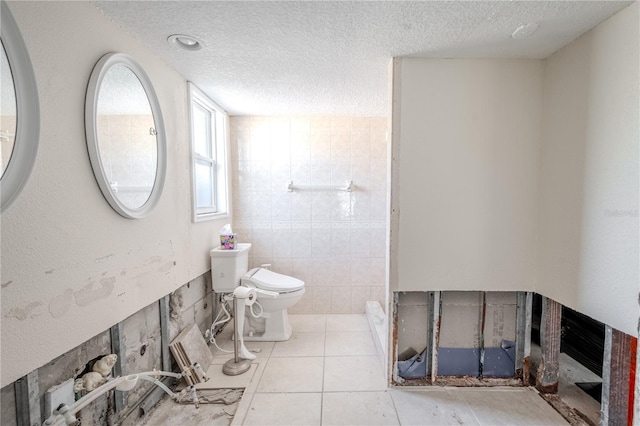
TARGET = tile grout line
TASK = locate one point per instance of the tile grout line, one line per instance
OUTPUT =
(393, 402)
(469, 407)
(324, 363)
(246, 412)
(251, 395)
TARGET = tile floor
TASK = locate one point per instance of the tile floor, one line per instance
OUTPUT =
(571, 372)
(329, 373)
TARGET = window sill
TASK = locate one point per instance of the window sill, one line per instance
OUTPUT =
(211, 216)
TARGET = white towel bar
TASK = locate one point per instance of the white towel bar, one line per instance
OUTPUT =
(349, 188)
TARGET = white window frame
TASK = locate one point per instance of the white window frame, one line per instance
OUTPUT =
(219, 139)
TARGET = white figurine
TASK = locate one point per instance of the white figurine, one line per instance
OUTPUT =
(105, 364)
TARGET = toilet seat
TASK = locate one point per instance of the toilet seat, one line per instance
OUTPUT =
(268, 280)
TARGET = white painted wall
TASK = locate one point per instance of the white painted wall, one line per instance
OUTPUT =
(71, 266)
(588, 247)
(523, 175)
(466, 137)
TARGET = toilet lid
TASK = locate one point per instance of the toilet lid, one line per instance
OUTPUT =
(269, 280)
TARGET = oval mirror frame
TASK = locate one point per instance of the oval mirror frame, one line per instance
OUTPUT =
(25, 145)
(103, 66)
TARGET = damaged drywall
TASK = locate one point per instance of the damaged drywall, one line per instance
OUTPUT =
(141, 350)
(70, 262)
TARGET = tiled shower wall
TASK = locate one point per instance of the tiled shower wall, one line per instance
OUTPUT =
(333, 240)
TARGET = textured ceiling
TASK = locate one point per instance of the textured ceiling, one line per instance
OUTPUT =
(332, 58)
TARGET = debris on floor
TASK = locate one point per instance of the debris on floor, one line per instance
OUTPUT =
(217, 396)
(190, 350)
(216, 408)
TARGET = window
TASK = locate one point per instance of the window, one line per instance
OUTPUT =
(208, 157)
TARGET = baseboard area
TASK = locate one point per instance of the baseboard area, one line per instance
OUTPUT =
(378, 325)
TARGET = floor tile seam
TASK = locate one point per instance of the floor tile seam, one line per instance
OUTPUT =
(259, 379)
(324, 363)
(347, 355)
(464, 400)
(257, 376)
(469, 389)
(324, 360)
(354, 390)
(287, 392)
(352, 356)
(249, 404)
(395, 408)
(293, 356)
(359, 391)
(297, 356)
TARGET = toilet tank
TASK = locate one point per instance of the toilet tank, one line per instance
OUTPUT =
(228, 266)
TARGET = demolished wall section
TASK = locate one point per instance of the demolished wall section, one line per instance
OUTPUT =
(142, 352)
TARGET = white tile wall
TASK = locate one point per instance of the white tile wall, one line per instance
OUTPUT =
(334, 241)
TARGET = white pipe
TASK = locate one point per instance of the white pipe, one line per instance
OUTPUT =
(57, 419)
(194, 395)
(225, 299)
(161, 373)
(160, 385)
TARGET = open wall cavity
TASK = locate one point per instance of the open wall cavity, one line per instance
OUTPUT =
(451, 337)
(582, 367)
(141, 342)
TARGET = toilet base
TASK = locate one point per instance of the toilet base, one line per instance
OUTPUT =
(271, 327)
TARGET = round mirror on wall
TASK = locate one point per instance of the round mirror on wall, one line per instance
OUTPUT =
(19, 111)
(7, 112)
(125, 135)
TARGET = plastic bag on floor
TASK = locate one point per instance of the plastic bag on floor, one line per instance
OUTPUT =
(415, 367)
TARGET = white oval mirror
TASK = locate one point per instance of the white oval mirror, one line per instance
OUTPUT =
(19, 111)
(125, 135)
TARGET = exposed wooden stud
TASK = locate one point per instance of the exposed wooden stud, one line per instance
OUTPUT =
(520, 326)
(550, 332)
(27, 390)
(615, 377)
(483, 318)
(117, 347)
(523, 335)
(435, 336)
(527, 330)
(429, 348)
(394, 342)
(634, 395)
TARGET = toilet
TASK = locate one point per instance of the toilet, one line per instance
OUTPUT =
(275, 293)
(279, 293)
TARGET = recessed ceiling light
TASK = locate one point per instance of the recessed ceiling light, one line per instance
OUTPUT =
(524, 30)
(185, 42)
